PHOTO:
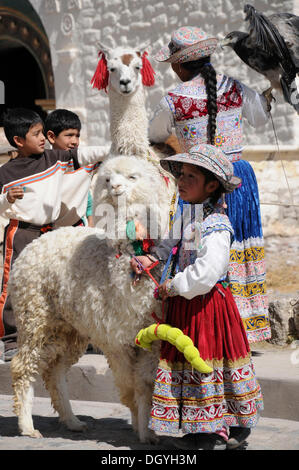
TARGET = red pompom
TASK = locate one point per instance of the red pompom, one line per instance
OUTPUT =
(101, 75)
(146, 244)
(147, 71)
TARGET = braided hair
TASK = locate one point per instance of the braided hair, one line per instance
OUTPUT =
(207, 71)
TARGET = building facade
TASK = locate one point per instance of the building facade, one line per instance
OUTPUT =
(49, 52)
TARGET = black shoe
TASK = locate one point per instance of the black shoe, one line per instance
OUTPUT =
(237, 437)
(200, 441)
(211, 442)
(187, 442)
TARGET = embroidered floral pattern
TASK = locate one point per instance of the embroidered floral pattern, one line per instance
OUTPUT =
(188, 102)
(198, 402)
(219, 140)
(247, 277)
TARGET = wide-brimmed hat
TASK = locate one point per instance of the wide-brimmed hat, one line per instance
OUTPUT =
(205, 156)
(187, 43)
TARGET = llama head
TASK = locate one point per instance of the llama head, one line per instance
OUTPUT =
(124, 69)
(129, 188)
(128, 176)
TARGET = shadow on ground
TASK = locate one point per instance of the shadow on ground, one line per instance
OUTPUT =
(114, 432)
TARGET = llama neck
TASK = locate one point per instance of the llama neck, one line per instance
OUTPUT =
(128, 123)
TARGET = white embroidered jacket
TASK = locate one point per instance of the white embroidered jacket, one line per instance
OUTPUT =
(201, 265)
(185, 109)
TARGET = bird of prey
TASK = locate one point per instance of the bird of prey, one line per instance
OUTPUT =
(271, 48)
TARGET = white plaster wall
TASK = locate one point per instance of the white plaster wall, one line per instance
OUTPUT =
(74, 27)
(279, 197)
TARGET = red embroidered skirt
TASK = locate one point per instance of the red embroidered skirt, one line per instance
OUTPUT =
(194, 402)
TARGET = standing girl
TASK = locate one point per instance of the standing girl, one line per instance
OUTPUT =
(200, 303)
(208, 108)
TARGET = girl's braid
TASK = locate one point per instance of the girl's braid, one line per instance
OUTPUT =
(207, 71)
(209, 75)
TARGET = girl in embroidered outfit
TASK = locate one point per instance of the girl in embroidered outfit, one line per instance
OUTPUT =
(208, 108)
(201, 304)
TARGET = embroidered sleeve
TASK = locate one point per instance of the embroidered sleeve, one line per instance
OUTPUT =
(160, 126)
(210, 266)
(254, 107)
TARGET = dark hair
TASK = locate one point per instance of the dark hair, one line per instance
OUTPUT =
(207, 71)
(209, 176)
(61, 120)
(18, 121)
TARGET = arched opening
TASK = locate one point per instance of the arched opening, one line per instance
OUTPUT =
(22, 77)
(26, 69)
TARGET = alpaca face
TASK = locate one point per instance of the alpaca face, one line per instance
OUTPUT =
(129, 177)
(127, 189)
(124, 67)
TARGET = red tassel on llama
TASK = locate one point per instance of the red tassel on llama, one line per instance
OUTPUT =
(101, 75)
(147, 71)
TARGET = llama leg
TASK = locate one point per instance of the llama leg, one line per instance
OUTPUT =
(25, 422)
(122, 366)
(56, 383)
(143, 396)
(144, 380)
(126, 395)
(23, 395)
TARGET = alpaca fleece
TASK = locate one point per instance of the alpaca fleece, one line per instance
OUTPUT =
(69, 289)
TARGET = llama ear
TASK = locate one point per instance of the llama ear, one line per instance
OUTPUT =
(147, 71)
(144, 47)
(101, 75)
(104, 49)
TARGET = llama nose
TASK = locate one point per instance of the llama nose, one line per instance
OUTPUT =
(116, 186)
(124, 81)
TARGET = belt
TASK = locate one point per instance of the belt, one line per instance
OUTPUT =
(79, 222)
(39, 228)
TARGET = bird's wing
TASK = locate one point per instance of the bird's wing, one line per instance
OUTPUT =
(265, 35)
(288, 26)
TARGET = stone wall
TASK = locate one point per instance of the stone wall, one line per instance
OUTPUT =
(75, 26)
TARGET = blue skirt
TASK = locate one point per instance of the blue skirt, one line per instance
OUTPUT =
(247, 273)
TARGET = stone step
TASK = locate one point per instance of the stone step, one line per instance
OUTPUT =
(91, 380)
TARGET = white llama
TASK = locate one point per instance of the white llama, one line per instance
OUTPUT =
(125, 73)
(70, 287)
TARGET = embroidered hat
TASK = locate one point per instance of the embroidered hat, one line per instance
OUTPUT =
(206, 156)
(187, 43)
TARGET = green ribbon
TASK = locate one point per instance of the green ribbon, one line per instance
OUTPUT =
(131, 234)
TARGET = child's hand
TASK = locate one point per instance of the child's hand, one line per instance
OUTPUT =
(162, 289)
(144, 260)
(14, 193)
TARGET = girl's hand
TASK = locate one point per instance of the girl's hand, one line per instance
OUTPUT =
(162, 289)
(15, 193)
(144, 260)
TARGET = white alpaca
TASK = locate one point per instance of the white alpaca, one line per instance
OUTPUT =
(70, 288)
